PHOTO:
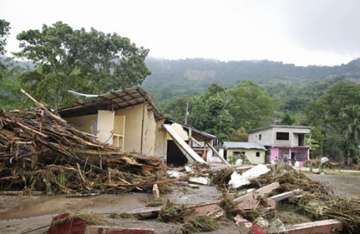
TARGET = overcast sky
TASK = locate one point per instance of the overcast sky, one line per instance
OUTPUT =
(294, 31)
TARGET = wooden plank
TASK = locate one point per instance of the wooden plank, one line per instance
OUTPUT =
(218, 155)
(189, 153)
(92, 229)
(324, 227)
(267, 189)
(286, 195)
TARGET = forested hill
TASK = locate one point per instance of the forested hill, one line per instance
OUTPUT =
(171, 78)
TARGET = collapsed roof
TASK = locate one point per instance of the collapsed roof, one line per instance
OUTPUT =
(113, 100)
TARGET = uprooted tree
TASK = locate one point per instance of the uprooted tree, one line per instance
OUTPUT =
(87, 61)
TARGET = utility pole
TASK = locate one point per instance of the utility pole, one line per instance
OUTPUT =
(186, 113)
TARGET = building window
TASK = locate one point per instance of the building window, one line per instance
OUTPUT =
(237, 153)
(282, 136)
(301, 139)
(257, 154)
(259, 137)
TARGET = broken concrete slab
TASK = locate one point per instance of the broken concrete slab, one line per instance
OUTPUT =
(237, 180)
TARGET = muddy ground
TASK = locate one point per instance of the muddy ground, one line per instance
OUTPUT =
(342, 185)
(19, 214)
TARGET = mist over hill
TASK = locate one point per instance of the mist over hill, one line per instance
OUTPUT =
(171, 78)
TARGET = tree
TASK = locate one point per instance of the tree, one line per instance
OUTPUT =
(176, 108)
(250, 105)
(337, 115)
(209, 113)
(287, 119)
(85, 61)
(4, 32)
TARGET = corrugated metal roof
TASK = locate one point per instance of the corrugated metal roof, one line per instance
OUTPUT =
(242, 145)
(113, 100)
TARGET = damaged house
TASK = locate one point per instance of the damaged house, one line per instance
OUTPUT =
(129, 120)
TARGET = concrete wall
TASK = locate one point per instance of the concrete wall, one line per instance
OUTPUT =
(86, 123)
(250, 155)
(268, 137)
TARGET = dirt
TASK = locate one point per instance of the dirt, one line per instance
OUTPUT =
(342, 185)
(20, 214)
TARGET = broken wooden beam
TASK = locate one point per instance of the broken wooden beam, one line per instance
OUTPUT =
(212, 210)
(267, 189)
(218, 155)
(96, 229)
(286, 195)
(324, 227)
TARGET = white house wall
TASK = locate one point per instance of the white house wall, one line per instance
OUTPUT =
(267, 137)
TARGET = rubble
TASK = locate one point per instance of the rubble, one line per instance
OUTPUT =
(199, 180)
(237, 180)
(40, 151)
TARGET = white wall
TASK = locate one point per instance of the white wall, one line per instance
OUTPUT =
(105, 126)
(268, 136)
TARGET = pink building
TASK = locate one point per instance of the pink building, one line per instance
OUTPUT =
(284, 143)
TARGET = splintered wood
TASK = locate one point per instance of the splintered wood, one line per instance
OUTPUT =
(40, 151)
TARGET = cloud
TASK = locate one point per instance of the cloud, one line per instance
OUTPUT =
(323, 25)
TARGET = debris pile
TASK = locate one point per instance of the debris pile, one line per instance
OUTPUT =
(40, 151)
(255, 203)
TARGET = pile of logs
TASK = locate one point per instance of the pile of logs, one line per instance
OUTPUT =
(40, 151)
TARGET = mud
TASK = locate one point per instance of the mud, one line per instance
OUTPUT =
(341, 185)
(20, 214)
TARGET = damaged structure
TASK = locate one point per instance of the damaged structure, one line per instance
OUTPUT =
(129, 120)
(283, 143)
